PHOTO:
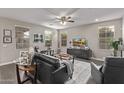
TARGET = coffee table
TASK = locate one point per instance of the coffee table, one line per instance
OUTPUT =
(64, 56)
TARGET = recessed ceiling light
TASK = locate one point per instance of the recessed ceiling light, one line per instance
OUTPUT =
(96, 19)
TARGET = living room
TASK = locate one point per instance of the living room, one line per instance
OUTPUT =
(55, 32)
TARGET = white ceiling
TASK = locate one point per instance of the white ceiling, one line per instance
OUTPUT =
(47, 16)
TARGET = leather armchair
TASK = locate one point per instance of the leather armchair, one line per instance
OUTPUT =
(112, 71)
(49, 70)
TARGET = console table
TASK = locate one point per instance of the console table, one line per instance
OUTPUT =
(80, 53)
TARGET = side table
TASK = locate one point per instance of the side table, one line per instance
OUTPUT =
(28, 69)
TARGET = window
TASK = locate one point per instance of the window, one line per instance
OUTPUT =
(22, 37)
(106, 34)
(48, 38)
(63, 39)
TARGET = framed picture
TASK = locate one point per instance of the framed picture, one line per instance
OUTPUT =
(7, 32)
(7, 39)
(38, 37)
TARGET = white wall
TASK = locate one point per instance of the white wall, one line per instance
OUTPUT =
(41, 30)
(90, 32)
(8, 52)
(123, 31)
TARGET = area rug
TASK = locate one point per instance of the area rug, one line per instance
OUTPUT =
(82, 73)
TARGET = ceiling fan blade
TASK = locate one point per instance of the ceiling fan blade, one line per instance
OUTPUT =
(58, 18)
(71, 21)
(54, 21)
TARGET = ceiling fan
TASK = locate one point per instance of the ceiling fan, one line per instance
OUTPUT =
(64, 19)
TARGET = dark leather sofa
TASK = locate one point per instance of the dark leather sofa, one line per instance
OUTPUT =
(49, 70)
(112, 71)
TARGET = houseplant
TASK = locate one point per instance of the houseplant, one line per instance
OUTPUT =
(115, 45)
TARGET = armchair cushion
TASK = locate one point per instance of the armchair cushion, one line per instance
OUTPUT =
(111, 72)
(114, 70)
(114, 61)
(51, 60)
(48, 59)
(49, 70)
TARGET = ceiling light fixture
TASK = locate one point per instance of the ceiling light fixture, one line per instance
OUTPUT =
(96, 20)
(63, 22)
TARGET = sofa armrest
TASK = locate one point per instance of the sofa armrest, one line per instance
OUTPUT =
(96, 74)
(97, 61)
(59, 69)
(60, 75)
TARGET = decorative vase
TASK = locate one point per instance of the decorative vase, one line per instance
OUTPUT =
(115, 52)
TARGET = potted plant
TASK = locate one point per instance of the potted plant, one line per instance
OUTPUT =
(114, 45)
